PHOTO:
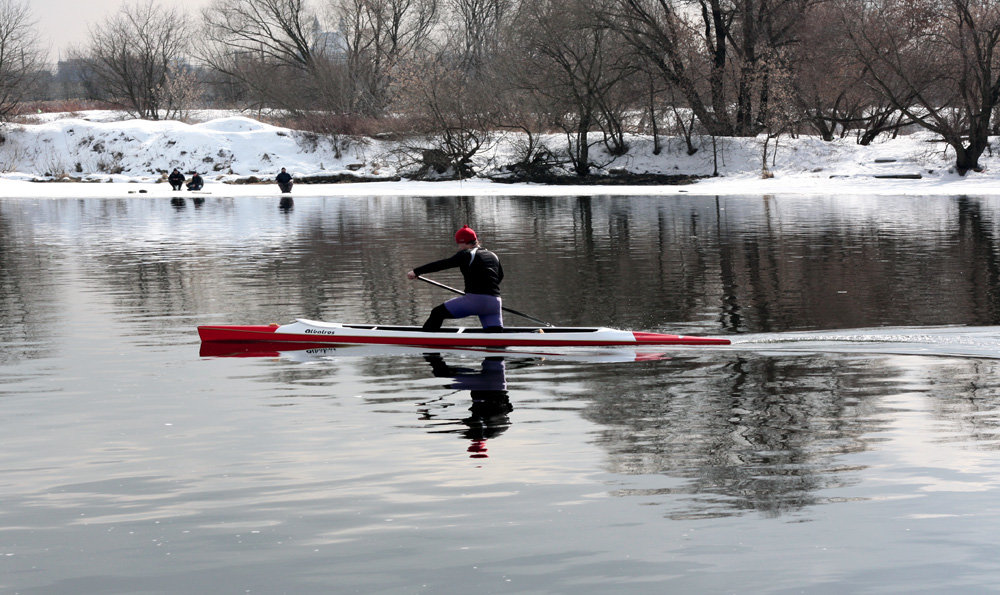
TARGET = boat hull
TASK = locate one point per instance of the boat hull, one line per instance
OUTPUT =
(325, 333)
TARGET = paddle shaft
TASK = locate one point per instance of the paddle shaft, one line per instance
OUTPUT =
(504, 308)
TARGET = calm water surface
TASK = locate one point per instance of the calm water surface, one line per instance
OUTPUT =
(846, 442)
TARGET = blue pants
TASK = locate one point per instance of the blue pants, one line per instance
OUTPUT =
(487, 307)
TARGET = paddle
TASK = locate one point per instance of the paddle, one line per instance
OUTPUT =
(505, 309)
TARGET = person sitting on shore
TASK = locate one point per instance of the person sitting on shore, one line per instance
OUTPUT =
(196, 182)
(284, 180)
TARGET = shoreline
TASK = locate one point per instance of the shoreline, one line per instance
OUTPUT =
(752, 185)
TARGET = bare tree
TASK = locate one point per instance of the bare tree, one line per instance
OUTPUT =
(711, 51)
(133, 54)
(827, 77)
(379, 37)
(576, 61)
(20, 55)
(478, 30)
(937, 62)
(453, 107)
(279, 31)
(833, 87)
(783, 113)
(518, 106)
(277, 49)
(454, 93)
(340, 58)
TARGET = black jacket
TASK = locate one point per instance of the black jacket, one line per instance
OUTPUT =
(480, 267)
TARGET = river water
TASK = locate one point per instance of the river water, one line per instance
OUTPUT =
(846, 442)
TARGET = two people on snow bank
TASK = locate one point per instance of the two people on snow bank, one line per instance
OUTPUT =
(176, 179)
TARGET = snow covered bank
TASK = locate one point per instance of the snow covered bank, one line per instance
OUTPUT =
(94, 148)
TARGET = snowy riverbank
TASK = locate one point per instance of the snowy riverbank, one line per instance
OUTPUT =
(93, 148)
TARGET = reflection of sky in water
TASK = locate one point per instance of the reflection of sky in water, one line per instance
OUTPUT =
(939, 433)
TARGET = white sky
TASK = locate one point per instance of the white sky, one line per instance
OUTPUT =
(63, 23)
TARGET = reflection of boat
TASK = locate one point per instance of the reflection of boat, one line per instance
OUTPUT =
(306, 352)
(312, 332)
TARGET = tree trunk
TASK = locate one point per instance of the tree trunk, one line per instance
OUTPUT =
(652, 118)
(967, 157)
(582, 165)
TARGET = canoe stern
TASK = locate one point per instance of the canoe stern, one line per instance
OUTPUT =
(258, 332)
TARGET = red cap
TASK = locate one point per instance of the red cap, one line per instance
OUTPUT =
(465, 235)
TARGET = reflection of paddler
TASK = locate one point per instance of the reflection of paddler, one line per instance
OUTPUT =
(490, 403)
(491, 377)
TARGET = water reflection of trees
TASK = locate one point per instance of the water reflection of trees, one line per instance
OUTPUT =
(900, 267)
(750, 433)
(27, 307)
(977, 245)
(705, 435)
(731, 434)
(769, 434)
(966, 395)
(737, 263)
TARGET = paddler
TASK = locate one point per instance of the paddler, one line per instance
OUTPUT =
(483, 273)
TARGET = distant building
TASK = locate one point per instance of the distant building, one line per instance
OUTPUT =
(331, 44)
(71, 80)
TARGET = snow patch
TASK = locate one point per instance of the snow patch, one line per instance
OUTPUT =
(102, 146)
(236, 124)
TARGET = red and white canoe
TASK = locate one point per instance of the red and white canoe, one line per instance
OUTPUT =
(313, 332)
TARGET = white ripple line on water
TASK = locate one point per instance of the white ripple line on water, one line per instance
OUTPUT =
(838, 339)
(976, 342)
